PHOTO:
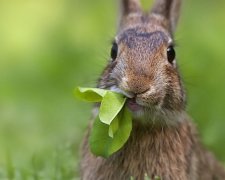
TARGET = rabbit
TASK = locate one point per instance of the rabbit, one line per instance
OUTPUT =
(164, 142)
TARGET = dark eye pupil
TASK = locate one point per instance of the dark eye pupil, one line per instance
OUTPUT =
(171, 54)
(114, 51)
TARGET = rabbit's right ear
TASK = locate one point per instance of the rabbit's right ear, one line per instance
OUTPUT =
(169, 10)
(130, 6)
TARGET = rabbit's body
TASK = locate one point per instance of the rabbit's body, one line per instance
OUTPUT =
(163, 140)
(171, 153)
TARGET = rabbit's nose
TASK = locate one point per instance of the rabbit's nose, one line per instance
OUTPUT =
(133, 94)
(138, 85)
(134, 85)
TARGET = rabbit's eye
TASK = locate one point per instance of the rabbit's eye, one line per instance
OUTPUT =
(114, 51)
(171, 54)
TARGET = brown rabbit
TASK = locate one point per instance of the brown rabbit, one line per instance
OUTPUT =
(164, 142)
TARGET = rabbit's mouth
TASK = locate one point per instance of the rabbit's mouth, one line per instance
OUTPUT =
(131, 102)
(133, 105)
(142, 110)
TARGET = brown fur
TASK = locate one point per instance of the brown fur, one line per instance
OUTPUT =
(172, 153)
(163, 140)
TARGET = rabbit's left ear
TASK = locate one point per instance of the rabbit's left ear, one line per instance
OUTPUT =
(169, 10)
(130, 6)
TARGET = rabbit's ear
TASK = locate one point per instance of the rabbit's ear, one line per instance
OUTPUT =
(170, 10)
(130, 6)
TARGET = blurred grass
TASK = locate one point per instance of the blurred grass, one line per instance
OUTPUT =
(49, 47)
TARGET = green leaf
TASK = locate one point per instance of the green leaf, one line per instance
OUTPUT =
(103, 145)
(113, 127)
(111, 105)
(99, 138)
(90, 94)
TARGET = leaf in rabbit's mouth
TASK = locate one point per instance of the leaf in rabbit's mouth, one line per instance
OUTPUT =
(113, 124)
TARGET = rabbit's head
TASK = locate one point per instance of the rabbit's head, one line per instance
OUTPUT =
(143, 63)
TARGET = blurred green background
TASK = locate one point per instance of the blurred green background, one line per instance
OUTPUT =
(48, 47)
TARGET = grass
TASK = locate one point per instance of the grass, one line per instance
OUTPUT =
(48, 48)
(53, 164)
